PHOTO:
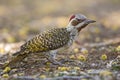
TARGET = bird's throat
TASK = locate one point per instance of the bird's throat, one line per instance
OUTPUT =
(80, 28)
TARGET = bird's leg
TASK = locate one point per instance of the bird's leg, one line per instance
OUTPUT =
(51, 56)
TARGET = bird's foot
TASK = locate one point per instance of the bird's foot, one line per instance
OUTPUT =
(53, 61)
(57, 63)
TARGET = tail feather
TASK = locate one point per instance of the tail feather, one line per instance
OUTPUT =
(17, 53)
(20, 56)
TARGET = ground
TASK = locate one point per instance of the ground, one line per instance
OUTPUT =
(95, 55)
(84, 60)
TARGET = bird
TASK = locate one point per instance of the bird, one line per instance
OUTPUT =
(50, 41)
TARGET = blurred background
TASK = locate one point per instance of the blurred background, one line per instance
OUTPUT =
(21, 19)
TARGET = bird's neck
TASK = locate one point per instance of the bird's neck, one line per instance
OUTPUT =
(73, 31)
(73, 34)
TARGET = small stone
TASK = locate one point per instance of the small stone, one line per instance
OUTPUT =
(73, 73)
(63, 73)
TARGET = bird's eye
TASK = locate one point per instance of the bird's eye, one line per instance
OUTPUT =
(80, 20)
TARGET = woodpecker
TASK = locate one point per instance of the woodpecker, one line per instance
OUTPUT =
(50, 41)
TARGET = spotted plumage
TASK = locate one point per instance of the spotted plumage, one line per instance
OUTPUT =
(48, 40)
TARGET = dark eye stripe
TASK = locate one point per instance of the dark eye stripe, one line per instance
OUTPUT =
(74, 22)
(80, 20)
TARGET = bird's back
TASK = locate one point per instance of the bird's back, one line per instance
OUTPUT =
(48, 40)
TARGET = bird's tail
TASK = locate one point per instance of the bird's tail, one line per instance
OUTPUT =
(20, 55)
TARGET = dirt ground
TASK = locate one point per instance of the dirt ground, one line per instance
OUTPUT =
(95, 55)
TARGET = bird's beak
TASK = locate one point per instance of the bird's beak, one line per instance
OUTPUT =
(87, 21)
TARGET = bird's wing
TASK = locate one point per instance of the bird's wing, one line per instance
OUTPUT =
(48, 40)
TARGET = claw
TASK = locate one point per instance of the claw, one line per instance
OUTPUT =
(53, 61)
(57, 63)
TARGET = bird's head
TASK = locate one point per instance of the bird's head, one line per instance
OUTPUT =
(79, 21)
